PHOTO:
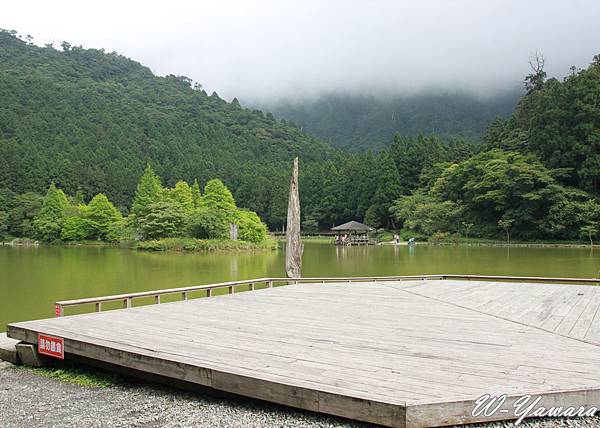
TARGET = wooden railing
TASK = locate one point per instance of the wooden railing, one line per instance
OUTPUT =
(234, 286)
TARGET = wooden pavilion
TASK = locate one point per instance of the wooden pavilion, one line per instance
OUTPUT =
(351, 233)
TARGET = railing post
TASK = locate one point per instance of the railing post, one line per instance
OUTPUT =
(270, 284)
(58, 310)
(127, 303)
(209, 292)
(157, 299)
(184, 295)
(251, 287)
(98, 306)
(231, 290)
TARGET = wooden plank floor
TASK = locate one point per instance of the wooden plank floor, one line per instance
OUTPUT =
(411, 353)
(572, 310)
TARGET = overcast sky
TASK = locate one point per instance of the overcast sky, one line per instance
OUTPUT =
(264, 50)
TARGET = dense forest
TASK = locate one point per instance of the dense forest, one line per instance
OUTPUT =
(90, 122)
(360, 122)
(536, 175)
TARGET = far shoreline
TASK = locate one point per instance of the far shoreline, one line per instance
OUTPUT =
(191, 245)
(177, 245)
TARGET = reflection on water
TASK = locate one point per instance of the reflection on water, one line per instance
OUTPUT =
(31, 279)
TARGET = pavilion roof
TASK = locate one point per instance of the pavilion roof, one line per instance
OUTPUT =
(352, 226)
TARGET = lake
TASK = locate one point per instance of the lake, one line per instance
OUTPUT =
(33, 278)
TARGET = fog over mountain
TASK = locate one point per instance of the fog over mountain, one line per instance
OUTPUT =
(261, 51)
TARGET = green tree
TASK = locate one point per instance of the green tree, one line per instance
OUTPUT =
(24, 209)
(77, 227)
(506, 224)
(589, 231)
(589, 216)
(250, 227)
(196, 196)
(497, 184)
(55, 210)
(207, 223)
(217, 197)
(572, 209)
(164, 219)
(467, 226)
(387, 189)
(412, 156)
(149, 191)
(425, 214)
(3, 224)
(182, 195)
(101, 214)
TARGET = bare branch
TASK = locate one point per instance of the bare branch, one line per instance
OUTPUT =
(537, 62)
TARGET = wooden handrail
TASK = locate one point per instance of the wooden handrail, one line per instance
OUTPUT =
(184, 291)
(151, 293)
(525, 278)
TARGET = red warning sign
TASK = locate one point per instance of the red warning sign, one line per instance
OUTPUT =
(51, 345)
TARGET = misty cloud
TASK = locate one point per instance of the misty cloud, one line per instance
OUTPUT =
(265, 50)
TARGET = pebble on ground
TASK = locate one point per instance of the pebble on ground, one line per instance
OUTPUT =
(30, 400)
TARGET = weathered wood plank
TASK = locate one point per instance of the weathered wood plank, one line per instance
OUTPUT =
(393, 353)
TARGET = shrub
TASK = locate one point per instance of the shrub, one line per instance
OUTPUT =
(207, 223)
(250, 227)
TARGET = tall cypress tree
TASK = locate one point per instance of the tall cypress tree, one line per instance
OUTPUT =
(149, 191)
(196, 196)
(182, 196)
(50, 220)
(101, 214)
(217, 197)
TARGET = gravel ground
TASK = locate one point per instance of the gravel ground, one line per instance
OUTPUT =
(28, 399)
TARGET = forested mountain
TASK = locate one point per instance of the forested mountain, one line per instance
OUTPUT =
(537, 175)
(355, 123)
(90, 121)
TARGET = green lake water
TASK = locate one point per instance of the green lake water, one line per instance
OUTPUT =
(32, 279)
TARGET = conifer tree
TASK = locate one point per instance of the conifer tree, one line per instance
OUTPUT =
(50, 220)
(101, 214)
(217, 197)
(182, 196)
(196, 196)
(149, 191)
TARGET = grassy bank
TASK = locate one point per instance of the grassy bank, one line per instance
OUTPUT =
(194, 245)
(512, 243)
(165, 244)
(446, 239)
(311, 238)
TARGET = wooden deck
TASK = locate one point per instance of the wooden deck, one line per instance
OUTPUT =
(396, 353)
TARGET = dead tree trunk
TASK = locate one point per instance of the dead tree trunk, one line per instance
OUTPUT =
(294, 247)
